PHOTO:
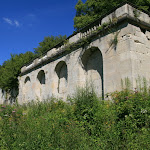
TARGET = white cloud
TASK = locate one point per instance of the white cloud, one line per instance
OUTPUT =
(7, 20)
(12, 22)
(16, 23)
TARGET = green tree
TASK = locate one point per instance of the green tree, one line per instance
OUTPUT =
(48, 43)
(10, 70)
(92, 9)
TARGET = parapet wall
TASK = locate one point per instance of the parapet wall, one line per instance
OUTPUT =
(103, 53)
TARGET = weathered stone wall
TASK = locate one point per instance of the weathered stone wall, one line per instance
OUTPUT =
(8, 97)
(117, 52)
(2, 96)
(140, 54)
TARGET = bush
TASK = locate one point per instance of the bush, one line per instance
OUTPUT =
(86, 122)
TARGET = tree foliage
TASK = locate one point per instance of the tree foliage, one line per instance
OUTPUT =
(10, 70)
(48, 43)
(92, 9)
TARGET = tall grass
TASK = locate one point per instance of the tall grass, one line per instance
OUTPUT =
(86, 122)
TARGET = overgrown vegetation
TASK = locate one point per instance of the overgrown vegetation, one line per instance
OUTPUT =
(93, 9)
(10, 70)
(136, 14)
(48, 43)
(83, 122)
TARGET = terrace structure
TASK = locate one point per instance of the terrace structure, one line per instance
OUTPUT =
(114, 47)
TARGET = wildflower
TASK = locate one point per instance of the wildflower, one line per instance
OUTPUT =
(131, 115)
(13, 111)
(85, 115)
(24, 113)
(126, 116)
(135, 91)
(3, 106)
(107, 105)
(127, 97)
(143, 111)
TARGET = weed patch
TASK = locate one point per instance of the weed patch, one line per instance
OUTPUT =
(85, 122)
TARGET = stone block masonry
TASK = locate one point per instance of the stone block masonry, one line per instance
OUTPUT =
(112, 48)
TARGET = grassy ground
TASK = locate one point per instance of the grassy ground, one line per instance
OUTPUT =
(85, 122)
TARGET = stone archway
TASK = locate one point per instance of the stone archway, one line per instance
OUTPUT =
(62, 74)
(40, 85)
(92, 61)
(27, 89)
(41, 77)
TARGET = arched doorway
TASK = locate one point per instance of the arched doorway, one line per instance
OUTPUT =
(40, 85)
(27, 89)
(62, 73)
(92, 61)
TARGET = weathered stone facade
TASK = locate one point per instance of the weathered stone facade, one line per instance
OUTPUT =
(118, 47)
(8, 97)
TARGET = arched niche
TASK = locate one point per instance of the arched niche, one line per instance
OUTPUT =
(92, 63)
(41, 77)
(27, 89)
(27, 80)
(40, 85)
(62, 74)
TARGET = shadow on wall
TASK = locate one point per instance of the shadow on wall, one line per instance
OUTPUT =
(41, 77)
(27, 89)
(62, 73)
(92, 61)
(27, 80)
(8, 97)
(40, 85)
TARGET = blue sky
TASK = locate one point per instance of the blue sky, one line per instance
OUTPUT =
(25, 23)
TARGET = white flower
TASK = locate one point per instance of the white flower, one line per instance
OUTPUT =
(143, 111)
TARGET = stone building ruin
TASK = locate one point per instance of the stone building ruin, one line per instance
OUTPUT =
(114, 47)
